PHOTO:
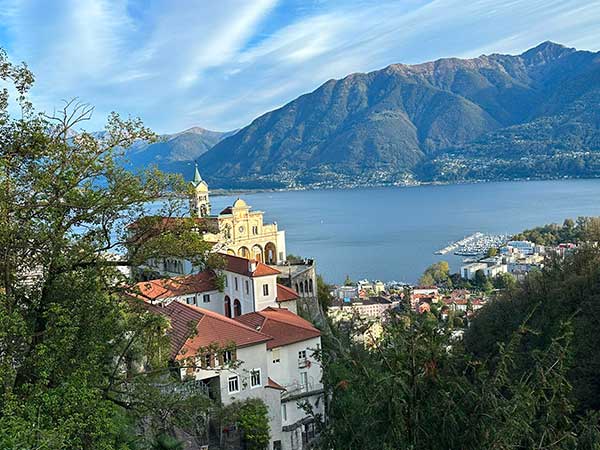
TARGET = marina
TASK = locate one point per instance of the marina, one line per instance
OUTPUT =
(474, 244)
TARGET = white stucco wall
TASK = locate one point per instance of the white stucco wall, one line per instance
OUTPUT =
(246, 297)
(264, 301)
(249, 358)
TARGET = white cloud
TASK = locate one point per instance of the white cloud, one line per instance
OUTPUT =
(221, 64)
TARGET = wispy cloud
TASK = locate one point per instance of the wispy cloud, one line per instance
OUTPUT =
(221, 64)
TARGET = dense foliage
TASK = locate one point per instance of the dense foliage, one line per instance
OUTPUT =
(436, 274)
(80, 366)
(565, 291)
(574, 231)
(527, 376)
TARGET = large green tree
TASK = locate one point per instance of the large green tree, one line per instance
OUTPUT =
(70, 346)
(416, 388)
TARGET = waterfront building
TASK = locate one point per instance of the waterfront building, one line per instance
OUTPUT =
(468, 271)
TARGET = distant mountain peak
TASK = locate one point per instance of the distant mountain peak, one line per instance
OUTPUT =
(399, 122)
(546, 51)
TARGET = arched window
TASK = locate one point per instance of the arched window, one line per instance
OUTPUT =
(227, 306)
(237, 308)
(301, 287)
(297, 288)
(310, 285)
(306, 286)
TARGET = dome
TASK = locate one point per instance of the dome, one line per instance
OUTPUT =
(239, 203)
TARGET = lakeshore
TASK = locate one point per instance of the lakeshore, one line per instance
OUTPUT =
(391, 233)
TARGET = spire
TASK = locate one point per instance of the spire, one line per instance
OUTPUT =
(197, 177)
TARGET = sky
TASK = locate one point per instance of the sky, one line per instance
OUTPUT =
(219, 64)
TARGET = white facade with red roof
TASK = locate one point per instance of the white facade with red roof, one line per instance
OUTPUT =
(248, 286)
(293, 364)
(268, 354)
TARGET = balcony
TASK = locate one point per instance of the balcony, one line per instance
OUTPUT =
(298, 390)
(303, 363)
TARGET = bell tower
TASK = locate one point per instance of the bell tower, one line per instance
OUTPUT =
(199, 201)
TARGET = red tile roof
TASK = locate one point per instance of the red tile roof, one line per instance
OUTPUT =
(192, 328)
(174, 287)
(282, 325)
(274, 385)
(241, 265)
(286, 294)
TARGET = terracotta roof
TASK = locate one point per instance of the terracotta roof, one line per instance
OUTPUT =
(282, 325)
(241, 265)
(286, 294)
(174, 287)
(226, 211)
(272, 384)
(193, 328)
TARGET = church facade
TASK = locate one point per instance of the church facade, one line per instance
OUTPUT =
(241, 231)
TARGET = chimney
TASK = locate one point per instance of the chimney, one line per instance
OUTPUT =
(251, 266)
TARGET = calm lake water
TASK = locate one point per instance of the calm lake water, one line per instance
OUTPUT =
(392, 233)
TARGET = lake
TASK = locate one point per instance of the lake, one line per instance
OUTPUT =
(392, 233)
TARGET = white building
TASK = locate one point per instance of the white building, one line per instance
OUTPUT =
(267, 355)
(247, 286)
(292, 364)
(468, 272)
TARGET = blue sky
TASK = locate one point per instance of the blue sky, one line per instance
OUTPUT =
(221, 63)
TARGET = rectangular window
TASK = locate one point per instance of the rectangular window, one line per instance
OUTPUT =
(275, 355)
(284, 411)
(207, 361)
(190, 300)
(227, 357)
(255, 230)
(226, 281)
(255, 378)
(304, 380)
(233, 384)
(206, 298)
(302, 354)
(277, 445)
(236, 283)
(247, 287)
(265, 289)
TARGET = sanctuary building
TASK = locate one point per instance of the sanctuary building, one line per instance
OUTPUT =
(240, 231)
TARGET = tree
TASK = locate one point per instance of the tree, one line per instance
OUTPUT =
(69, 340)
(418, 371)
(437, 274)
(324, 293)
(565, 290)
(492, 251)
(505, 281)
(252, 418)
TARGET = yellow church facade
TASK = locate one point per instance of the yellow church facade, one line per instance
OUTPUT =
(241, 231)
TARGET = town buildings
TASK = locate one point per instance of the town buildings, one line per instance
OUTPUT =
(368, 308)
(516, 257)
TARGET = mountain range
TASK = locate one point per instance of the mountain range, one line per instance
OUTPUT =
(533, 115)
(174, 152)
